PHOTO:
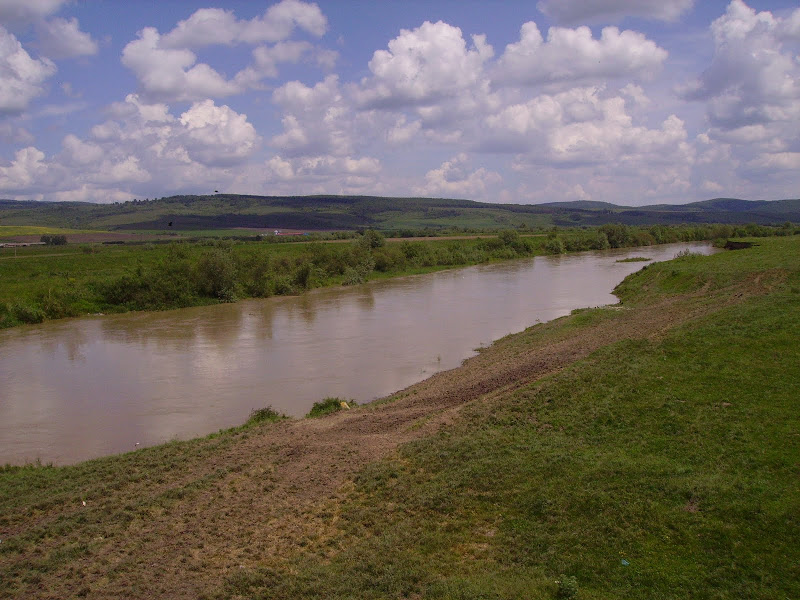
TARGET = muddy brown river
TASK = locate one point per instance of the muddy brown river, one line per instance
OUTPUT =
(81, 388)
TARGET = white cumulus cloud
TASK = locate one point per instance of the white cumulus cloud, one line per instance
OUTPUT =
(573, 55)
(21, 77)
(454, 179)
(317, 120)
(751, 95)
(27, 168)
(172, 74)
(424, 65)
(143, 149)
(752, 78)
(217, 135)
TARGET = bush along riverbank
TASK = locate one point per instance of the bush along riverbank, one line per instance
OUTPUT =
(644, 450)
(41, 286)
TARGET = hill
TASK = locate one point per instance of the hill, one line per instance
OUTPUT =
(329, 212)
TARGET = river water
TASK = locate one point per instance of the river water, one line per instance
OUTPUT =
(82, 388)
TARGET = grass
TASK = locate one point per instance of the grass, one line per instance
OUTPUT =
(634, 259)
(11, 231)
(663, 467)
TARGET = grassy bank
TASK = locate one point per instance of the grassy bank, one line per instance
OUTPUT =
(55, 282)
(648, 450)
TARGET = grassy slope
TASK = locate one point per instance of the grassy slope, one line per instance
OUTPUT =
(676, 454)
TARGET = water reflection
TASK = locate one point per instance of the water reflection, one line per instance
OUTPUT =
(87, 387)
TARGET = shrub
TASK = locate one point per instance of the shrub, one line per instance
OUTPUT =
(328, 406)
(303, 276)
(27, 314)
(555, 246)
(619, 236)
(264, 415)
(54, 240)
(567, 587)
(216, 274)
(371, 239)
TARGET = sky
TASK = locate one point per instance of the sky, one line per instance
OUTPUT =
(634, 103)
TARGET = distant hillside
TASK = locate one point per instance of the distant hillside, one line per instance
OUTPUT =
(225, 211)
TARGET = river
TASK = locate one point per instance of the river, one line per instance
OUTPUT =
(81, 388)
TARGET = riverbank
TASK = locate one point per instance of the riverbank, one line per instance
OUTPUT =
(42, 283)
(646, 450)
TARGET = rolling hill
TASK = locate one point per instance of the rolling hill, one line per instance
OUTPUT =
(329, 212)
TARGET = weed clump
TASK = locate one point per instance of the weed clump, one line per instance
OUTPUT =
(567, 587)
(264, 415)
(328, 406)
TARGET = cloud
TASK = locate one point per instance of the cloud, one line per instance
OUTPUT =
(580, 126)
(171, 74)
(217, 135)
(23, 12)
(62, 38)
(27, 167)
(752, 79)
(588, 133)
(77, 153)
(21, 77)
(167, 67)
(572, 12)
(423, 66)
(775, 162)
(452, 179)
(142, 149)
(211, 26)
(317, 120)
(751, 96)
(11, 134)
(573, 55)
(314, 175)
(266, 60)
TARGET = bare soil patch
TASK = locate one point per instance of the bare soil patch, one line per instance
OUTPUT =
(98, 237)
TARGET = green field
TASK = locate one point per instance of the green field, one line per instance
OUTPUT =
(11, 231)
(661, 462)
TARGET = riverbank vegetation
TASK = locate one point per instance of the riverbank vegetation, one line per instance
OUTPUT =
(646, 450)
(44, 283)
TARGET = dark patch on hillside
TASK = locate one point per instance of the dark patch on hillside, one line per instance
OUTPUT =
(271, 221)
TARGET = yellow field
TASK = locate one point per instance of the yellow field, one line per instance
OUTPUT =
(7, 231)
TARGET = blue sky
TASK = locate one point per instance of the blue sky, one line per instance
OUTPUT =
(657, 101)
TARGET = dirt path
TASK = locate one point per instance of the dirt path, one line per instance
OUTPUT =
(280, 486)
